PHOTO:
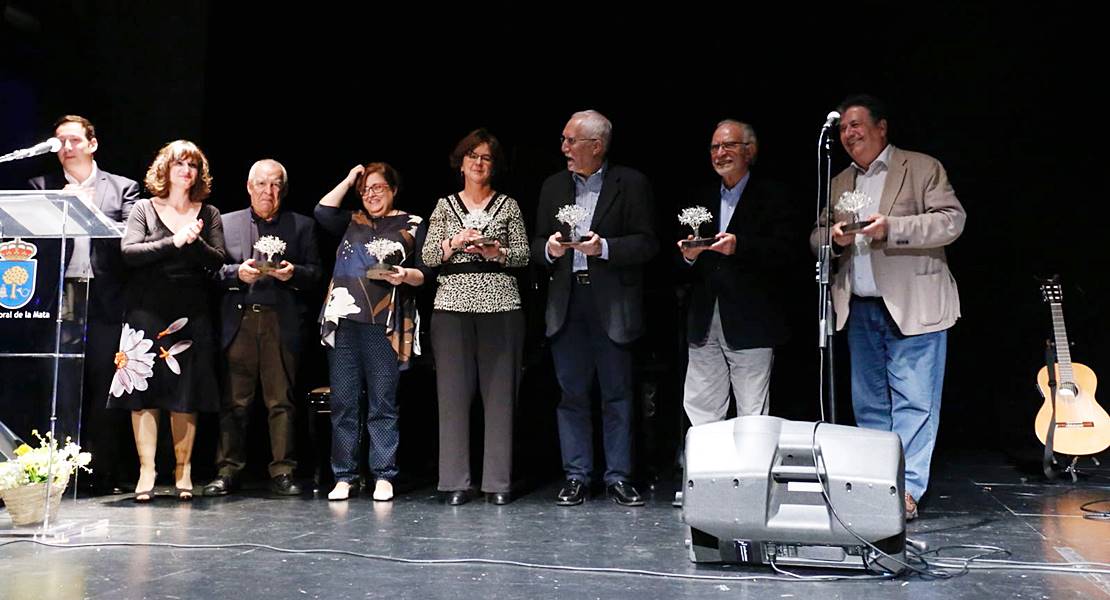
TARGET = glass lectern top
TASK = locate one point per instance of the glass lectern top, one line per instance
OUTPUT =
(38, 214)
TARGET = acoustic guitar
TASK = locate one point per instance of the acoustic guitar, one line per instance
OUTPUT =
(1082, 426)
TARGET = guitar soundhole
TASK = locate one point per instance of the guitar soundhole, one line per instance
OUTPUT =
(1069, 389)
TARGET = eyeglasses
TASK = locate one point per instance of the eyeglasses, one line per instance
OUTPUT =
(713, 148)
(480, 157)
(377, 188)
(570, 141)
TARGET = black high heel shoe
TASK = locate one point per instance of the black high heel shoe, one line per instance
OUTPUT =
(184, 494)
(144, 496)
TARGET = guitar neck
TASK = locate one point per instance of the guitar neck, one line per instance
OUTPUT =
(1063, 350)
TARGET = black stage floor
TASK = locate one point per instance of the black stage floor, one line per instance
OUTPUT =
(974, 500)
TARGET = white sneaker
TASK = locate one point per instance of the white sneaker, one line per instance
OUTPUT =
(341, 491)
(383, 491)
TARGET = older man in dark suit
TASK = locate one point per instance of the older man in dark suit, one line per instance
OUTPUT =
(595, 297)
(262, 317)
(734, 318)
(100, 264)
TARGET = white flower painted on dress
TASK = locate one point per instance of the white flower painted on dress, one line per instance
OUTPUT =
(414, 224)
(134, 364)
(173, 328)
(167, 355)
(340, 304)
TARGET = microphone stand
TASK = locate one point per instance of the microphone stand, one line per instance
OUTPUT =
(825, 318)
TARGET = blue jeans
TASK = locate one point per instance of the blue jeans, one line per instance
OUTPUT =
(896, 384)
(363, 359)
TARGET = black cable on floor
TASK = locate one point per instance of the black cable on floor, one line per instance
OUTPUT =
(962, 564)
(1096, 515)
(925, 571)
(444, 561)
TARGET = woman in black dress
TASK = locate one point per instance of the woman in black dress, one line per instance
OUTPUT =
(173, 242)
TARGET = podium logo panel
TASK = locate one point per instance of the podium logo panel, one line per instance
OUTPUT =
(17, 273)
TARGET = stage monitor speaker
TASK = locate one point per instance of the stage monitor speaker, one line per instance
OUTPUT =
(752, 494)
(8, 442)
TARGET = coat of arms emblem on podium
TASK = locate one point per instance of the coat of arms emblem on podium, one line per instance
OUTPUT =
(17, 273)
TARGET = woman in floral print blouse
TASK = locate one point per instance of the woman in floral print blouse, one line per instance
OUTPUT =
(369, 320)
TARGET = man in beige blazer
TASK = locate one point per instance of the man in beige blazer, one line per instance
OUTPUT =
(893, 289)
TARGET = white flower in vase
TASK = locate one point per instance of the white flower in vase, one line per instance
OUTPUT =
(32, 465)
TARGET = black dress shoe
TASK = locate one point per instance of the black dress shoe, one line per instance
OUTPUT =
(573, 493)
(499, 498)
(283, 485)
(624, 494)
(219, 486)
(458, 497)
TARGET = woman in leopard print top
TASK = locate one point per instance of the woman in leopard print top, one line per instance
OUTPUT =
(477, 326)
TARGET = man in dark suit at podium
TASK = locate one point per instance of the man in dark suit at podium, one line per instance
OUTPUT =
(734, 320)
(100, 264)
(595, 301)
(263, 312)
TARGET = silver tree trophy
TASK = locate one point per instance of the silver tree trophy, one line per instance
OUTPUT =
(382, 249)
(694, 217)
(478, 221)
(572, 216)
(847, 209)
(268, 246)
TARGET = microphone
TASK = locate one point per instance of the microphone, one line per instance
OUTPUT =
(831, 119)
(51, 145)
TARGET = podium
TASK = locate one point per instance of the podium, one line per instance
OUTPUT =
(42, 316)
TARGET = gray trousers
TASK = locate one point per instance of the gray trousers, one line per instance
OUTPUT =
(477, 352)
(713, 367)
